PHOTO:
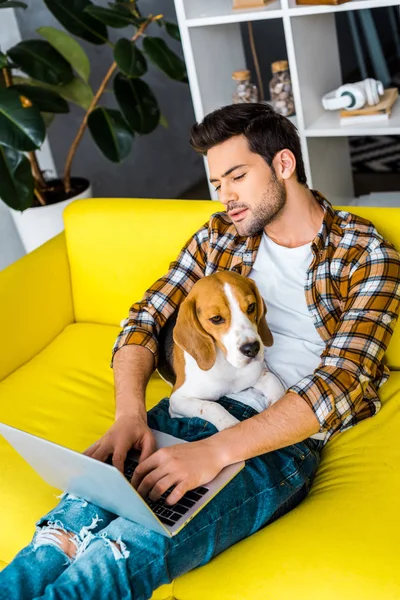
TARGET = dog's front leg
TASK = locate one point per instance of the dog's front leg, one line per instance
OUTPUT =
(183, 406)
(271, 387)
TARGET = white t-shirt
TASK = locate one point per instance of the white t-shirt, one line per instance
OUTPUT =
(280, 274)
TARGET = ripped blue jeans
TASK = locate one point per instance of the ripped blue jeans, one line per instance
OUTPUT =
(119, 559)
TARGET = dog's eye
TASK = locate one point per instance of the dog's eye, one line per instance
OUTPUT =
(217, 320)
(251, 308)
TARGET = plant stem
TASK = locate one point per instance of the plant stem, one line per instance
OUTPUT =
(257, 66)
(83, 125)
(39, 197)
(37, 173)
(7, 76)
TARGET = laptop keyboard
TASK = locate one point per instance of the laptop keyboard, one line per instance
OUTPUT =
(168, 514)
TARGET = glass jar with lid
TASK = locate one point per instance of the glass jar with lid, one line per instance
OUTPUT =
(280, 88)
(245, 91)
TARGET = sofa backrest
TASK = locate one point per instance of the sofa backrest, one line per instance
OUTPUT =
(118, 247)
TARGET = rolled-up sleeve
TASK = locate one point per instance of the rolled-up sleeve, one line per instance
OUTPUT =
(352, 355)
(160, 301)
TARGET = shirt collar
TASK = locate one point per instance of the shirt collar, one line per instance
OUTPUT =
(319, 242)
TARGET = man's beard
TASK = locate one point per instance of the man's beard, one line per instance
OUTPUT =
(272, 203)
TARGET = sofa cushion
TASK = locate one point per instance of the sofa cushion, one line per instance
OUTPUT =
(341, 542)
(118, 249)
(65, 394)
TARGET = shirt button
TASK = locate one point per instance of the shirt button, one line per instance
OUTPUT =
(386, 319)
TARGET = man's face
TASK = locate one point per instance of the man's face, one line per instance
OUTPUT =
(252, 193)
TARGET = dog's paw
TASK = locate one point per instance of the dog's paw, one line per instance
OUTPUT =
(173, 413)
(225, 422)
(271, 386)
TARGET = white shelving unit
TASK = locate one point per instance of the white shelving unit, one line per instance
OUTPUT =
(213, 48)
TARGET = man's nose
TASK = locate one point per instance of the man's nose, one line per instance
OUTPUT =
(251, 349)
(225, 196)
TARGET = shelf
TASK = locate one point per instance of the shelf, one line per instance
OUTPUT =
(220, 12)
(301, 10)
(328, 125)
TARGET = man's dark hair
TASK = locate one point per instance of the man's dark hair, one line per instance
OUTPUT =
(267, 132)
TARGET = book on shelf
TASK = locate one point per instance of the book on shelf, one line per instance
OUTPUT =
(370, 114)
(314, 2)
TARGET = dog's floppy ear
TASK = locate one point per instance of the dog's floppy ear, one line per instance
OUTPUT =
(190, 336)
(263, 329)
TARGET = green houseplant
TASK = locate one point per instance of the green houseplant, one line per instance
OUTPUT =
(55, 72)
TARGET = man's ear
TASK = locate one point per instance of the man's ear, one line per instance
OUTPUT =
(190, 336)
(263, 329)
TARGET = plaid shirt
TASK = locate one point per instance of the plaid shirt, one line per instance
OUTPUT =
(352, 291)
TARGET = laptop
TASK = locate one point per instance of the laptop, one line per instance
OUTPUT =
(103, 484)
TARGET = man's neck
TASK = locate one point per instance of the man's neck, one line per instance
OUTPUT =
(299, 221)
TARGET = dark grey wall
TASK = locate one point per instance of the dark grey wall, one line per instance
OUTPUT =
(270, 46)
(162, 164)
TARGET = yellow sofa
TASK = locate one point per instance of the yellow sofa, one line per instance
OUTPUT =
(60, 309)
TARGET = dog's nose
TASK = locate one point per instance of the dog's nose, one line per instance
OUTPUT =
(251, 349)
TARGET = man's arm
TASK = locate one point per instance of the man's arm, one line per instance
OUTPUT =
(288, 421)
(327, 399)
(133, 366)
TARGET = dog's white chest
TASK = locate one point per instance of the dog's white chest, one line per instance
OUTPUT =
(221, 379)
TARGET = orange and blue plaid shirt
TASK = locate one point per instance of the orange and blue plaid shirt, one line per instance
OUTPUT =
(353, 295)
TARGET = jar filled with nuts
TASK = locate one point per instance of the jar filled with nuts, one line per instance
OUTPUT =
(280, 88)
(245, 91)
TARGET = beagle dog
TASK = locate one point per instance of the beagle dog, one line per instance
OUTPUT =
(215, 347)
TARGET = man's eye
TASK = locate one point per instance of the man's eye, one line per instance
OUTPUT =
(251, 308)
(239, 177)
(217, 188)
(217, 320)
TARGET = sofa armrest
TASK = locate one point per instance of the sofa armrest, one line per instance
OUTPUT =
(35, 303)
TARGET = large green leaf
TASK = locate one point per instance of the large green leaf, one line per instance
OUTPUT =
(16, 180)
(111, 133)
(20, 128)
(71, 14)
(166, 60)
(76, 91)
(69, 48)
(41, 61)
(129, 58)
(108, 16)
(13, 4)
(137, 103)
(172, 30)
(45, 100)
(48, 118)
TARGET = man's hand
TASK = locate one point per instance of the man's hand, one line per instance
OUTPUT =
(127, 432)
(185, 465)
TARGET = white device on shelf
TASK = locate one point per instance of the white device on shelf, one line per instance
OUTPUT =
(353, 96)
(213, 29)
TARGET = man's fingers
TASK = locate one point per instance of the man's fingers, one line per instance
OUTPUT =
(90, 451)
(148, 448)
(102, 453)
(118, 459)
(177, 493)
(148, 482)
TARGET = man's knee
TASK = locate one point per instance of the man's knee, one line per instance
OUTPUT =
(52, 535)
(66, 542)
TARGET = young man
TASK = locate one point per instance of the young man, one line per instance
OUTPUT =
(331, 284)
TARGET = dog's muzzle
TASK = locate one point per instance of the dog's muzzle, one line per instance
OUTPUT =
(250, 349)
